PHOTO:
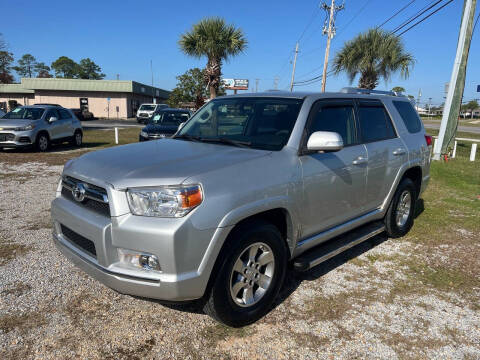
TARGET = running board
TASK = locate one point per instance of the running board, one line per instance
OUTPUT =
(337, 245)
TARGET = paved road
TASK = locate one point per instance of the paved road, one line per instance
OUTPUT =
(470, 129)
(109, 123)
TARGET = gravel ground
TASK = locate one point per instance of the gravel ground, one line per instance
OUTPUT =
(362, 304)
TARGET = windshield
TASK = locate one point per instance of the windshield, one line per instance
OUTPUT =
(24, 113)
(262, 123)
(169, 118)
(147, 107)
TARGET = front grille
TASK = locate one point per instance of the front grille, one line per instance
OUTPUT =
(7, 137)
(143, 115)
(79, 241)
(24, 139)
(96, 198)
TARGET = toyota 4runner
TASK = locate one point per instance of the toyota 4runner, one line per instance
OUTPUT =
(246, 186)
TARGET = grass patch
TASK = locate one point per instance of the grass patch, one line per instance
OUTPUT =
(85, 306)
(220, 332)
(22, 322)
(131, 353)
(11, 250)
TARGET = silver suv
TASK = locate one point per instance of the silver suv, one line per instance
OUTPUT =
(39, 126)
(249, 184)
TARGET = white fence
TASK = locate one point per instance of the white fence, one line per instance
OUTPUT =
(473, 150)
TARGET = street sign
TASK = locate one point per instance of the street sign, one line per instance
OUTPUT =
(478, 88)
(108, 99)
(235, 84)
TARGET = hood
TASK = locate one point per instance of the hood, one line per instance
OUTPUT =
(7, 124)
(160, 129)
(153, 163)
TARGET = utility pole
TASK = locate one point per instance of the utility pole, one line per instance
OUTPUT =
(275, 82)
(330, 31)
(153, 90)
(256, 84)
(118, 76)
(419, 98)
(429, 107)
(451, 111)
(294, 64)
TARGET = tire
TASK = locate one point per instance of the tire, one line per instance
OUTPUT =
(226, 302)
(43, 142)
(77, 139)
(401, 212)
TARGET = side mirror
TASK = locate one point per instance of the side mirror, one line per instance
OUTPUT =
(52, 119)
(325, 141)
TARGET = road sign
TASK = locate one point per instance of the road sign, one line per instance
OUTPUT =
(108, 99)
(478, 88)
(235, 84)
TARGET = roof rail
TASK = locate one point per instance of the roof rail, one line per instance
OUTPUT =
(351, 90)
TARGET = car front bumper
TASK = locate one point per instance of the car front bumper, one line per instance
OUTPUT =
(15, 140)
(181, 250)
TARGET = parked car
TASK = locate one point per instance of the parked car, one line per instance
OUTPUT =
(83, 114)
(247, 185)
(164, 123)
(1, 113)
(145, 111)
(39, 126)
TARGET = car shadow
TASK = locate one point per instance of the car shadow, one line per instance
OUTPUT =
(57, 148)
(293, 278)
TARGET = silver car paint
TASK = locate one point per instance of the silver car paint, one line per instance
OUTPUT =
(237, 183)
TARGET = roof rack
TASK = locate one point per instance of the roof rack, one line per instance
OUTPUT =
(352, 90)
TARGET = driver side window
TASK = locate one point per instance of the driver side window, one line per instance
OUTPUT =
(51, 113)
(335, 117)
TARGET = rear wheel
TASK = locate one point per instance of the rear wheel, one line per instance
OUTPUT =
(77, 139)
(43, 142)
(250, 276)
(400, 214)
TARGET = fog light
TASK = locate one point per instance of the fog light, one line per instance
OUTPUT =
(139, 260)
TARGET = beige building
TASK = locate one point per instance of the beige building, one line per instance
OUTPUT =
(104, 98)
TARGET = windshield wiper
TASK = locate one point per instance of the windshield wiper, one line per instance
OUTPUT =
(245, 144)
(188, 137)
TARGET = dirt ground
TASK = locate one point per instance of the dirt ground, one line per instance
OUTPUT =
(412, 298)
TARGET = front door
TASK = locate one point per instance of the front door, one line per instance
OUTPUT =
(334, 182)
(54, 127)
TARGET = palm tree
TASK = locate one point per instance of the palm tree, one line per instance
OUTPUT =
(374, 54)
(216, 40)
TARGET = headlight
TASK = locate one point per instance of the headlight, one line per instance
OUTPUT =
(25, 128)
(143, 134)
(168, 201)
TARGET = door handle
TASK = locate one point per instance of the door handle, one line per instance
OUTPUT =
(360, 160)
(399, 151)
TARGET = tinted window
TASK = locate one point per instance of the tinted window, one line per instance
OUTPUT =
(25, 113)
(339, 119)
(375, 124)
(51, 113)
(409, 116)
(64, 114)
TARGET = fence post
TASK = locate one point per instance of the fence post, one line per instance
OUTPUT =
(116, 135)
(473, 152)
(454, 150)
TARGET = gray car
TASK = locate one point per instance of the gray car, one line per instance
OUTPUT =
(39, 126)
(248, 185)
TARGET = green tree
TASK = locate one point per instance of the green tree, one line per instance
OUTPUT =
(87, 69)
(191, 88)
(64, 67)
(42, 70)
(216, 40)
(373, 55)
(398, 89)
(26, 66)
(6, 59)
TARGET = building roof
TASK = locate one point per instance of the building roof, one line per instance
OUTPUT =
(28, 85)
(14, 89)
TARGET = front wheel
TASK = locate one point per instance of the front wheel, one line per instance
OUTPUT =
(250, 276)
(43, 142)
(400, 214)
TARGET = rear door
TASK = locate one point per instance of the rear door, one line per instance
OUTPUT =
(334, 182)
(386, 152)
(65, 123)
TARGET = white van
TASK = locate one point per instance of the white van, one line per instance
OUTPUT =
(145, 111)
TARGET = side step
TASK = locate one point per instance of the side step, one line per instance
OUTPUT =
(337, 245)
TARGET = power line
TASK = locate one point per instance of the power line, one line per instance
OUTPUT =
(314, 15)
(476, 21)
(425, 18)
(398, 12)
(420, 13)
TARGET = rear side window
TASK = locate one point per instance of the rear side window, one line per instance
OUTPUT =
(409, 116)
(64, 114)
(336, 118)
(375, 123)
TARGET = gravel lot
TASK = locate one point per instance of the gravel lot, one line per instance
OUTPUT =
(368, 303)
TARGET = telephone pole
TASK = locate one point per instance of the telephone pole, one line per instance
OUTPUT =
(275, 82)
(256, 84)
(330, 31)
(294, 64)
(453, 102)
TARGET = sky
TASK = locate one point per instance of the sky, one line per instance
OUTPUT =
(124, 36)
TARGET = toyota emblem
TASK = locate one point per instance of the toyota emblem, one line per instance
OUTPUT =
(78, 192)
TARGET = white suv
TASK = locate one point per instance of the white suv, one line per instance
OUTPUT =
(146, 111)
